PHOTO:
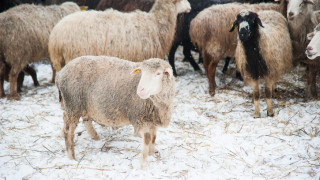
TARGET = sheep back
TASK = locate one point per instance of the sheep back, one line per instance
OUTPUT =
(134, 36)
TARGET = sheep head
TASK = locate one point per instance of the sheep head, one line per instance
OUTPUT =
(154, 74)
(313, 48)
(297, 8)
(247, 22)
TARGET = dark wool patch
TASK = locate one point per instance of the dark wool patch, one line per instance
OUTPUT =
(256, 65)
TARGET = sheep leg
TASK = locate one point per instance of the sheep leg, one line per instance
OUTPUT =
(171, 57)
(212, 80)
(2, 94)
(20, 81)
(210, 68)
(147, 141)
(188, 55)
(256, 99)
(29, 70)
(226, 64)
(269, 89)
(53, 75)
(200, 61)
(153, 140)
(13, 79)
(311, 91)
(88, 124)
(70, 124)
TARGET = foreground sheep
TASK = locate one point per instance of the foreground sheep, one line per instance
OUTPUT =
(134, 36)
(104, 89)
(209, 31)
(263, 52)
(24, 37)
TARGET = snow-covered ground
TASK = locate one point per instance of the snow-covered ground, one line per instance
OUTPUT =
(208, 137)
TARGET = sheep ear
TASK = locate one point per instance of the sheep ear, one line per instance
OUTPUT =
(235, 25)
(135, 71)
(310, 35)
(258, 20)
(308, 2)
(169, 72)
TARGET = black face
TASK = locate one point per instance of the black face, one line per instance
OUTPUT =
(247, 22)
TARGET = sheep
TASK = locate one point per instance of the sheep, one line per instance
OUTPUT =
(126, 5)
(113, 92)
(134, 36)
(263, 52)
(24, 37)
(208, 31)
(301, 20)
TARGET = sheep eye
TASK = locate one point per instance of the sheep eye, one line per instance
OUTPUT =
(158, 74)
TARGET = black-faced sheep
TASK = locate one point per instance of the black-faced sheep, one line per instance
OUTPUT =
(116, 92)
(301, 20)
(209, 32)
(264, 51)
(24, 36)
(134, 36)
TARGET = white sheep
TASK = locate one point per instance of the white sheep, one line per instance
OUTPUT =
(115, 92)
(263, 52)
(24, 37)
(134, 36)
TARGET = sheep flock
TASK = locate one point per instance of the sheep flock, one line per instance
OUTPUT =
(111, 95)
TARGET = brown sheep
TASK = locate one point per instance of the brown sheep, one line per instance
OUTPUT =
(134, 36)
(264, 51)
(112, 92)
(24, 37)
(209, 31)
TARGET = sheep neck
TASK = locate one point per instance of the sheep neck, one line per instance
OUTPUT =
(299, 27)
(256, 65)
(166, 17)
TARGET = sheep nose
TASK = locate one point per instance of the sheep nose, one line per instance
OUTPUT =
(309, 48)
(290, 14)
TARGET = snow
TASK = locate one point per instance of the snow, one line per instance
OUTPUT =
(208, 137)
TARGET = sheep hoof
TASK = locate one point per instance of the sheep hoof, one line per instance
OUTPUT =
(96, 138)
(200, 72)
(270, 115)
(257, 115)
(212, 92)
(13, 97)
